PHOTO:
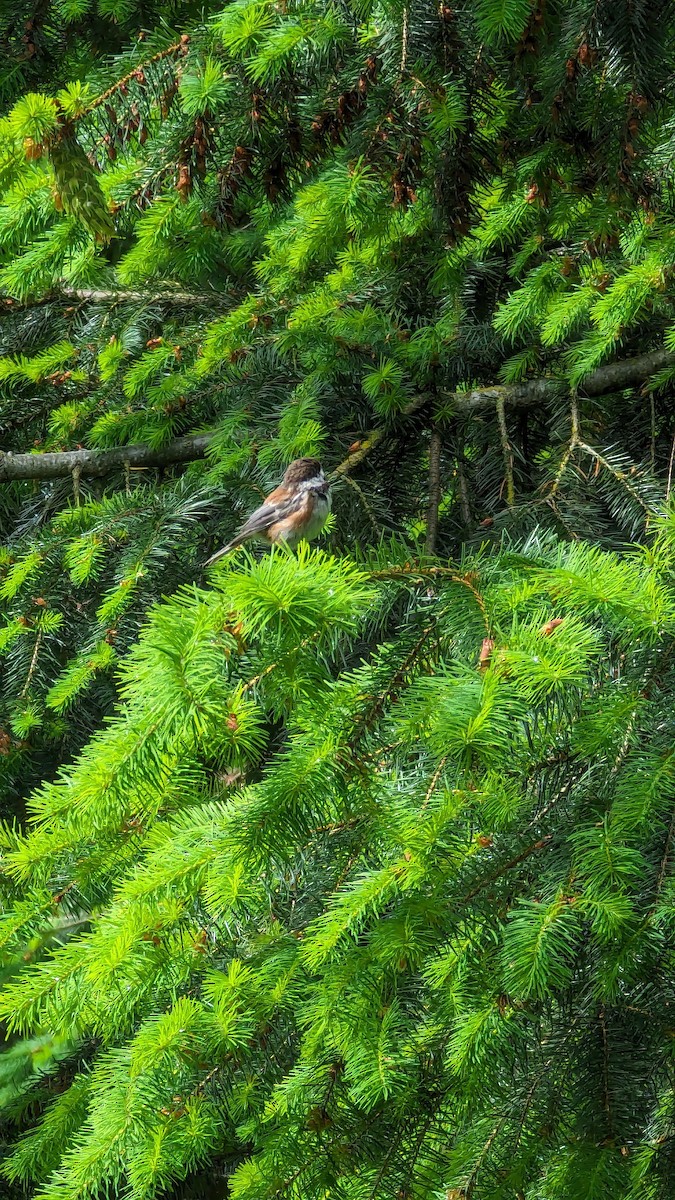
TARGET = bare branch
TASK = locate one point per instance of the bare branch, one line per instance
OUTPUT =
(434, 490)
(507, 453)
(165, 296)
(171, 297)
(531, 394)
(100, 462)
(626, 372)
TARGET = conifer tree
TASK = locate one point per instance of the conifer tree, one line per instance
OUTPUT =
(345, 874)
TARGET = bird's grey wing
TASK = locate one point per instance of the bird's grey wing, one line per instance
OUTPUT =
(268, 514)
(258, 522)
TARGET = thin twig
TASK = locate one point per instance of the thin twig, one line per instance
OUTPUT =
(605, 1071)
(507, 452)
(513, 862)
(31, 669)
(620, 475)
(670, 469)
(563, 791)
(368, 508)
(434, 780)
(435, 446)
(251, 683)
(571, 446)
(666, 855)
(431, 572)
(404, 39)
(471, 1181)
(463, 490)
(120, 83)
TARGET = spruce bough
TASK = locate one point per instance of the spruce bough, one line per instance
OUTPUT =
(345, 876)
(347, 926)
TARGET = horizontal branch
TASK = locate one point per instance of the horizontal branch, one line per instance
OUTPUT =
(518, 395)
(168, 296)
(612, 377)
(100, 462)
(165, 296)
(534, 392)
(626, 372)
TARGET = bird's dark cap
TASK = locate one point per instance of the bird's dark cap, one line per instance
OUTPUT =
(302, 469)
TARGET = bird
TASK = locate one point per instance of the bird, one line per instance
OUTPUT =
(295, 511)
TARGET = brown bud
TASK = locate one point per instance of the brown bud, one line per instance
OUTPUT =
(547, 629)
(485, 653)
(584, 53)
(184, 182)
(318, 1119)
(32, 149)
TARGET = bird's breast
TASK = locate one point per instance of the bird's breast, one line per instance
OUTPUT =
(319, 510)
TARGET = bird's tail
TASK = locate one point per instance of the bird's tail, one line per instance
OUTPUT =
(221, 553)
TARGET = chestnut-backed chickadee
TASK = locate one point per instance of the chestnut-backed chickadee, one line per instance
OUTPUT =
(295, 511)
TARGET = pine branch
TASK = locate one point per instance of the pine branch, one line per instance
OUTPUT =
(528, 395)
(113, 296)
(121, 296)
(179, 47)
(100, 462)
(626, 372)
